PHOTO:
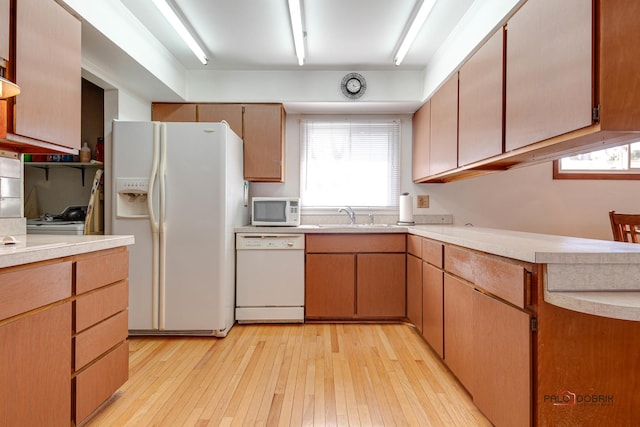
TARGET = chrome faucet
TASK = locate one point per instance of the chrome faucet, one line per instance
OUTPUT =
(349, 211)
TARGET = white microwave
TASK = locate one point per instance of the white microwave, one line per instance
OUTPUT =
(275, 211)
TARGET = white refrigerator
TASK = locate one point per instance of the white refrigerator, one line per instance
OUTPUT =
(179, 189)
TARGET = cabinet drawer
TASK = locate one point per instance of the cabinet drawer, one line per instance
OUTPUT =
(100, 270)
(414, 245)
(432, 252)
(458, 261)
(25, 289)
(503, 279)
(333, 243)
(97, 383)
(93, 342)
(92, 308)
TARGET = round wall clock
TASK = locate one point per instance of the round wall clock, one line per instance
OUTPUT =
(353, 85)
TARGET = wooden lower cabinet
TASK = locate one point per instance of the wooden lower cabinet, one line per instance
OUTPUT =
(525, 362)
(350, 276)
(34, 374)
(502, 361)
(432, 307)
(330, 287)
(587, 369)
(63, 336)
(458, 329)
(380, 286)
(101, 362)
(98, 382)
(414, 292)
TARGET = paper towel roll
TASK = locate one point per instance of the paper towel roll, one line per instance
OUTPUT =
(406, 209)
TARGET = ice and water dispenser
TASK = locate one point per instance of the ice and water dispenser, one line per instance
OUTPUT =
(131, 197)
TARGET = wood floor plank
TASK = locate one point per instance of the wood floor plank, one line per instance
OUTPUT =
(290, 375)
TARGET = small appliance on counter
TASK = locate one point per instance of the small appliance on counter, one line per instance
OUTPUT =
(69, 222)
(275, 211)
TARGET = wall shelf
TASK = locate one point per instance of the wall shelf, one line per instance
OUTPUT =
(75, 165)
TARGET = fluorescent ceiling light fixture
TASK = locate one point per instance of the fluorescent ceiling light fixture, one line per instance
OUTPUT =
(416, 25)
(295, 12)
(8, 88)
(177, 25)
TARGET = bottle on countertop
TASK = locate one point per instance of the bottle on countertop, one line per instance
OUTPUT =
(100, 149)
(85, 153)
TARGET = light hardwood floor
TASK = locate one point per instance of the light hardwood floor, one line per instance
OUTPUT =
(290, 375)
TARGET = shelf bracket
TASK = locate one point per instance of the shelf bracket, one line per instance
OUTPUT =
(46, 171)
(81, 168)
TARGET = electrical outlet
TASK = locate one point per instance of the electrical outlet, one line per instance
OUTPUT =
(423, 201)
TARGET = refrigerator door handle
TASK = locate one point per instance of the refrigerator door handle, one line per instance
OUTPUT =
(154, 228)
(162, 221)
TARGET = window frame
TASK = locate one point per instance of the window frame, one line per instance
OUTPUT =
(371, 209)
(597, 174)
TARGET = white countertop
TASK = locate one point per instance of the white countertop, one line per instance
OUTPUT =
(597, 277)
(41, 247)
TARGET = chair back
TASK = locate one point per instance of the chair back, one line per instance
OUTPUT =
(625, 227)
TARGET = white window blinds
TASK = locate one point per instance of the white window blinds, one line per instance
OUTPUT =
(350, 162)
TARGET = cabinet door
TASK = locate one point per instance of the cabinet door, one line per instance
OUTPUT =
(4, 31)
(421, 134)
(381, 285)
(263, 142)
(444, 127)
(432, 307)
(35, 369)
(502, 353)
(414, 291)
(458, 329)
(330, 286)
(173, 112)
(48, 72)
(231, 113)
(549, 71)
(481, 84)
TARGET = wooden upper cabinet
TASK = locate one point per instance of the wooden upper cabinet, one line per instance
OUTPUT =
(549, 77)
(231, 113)
(4, 31)
(481, 103)
(263, 142)
(421, 141)
(261, 127)
(48, 72)
(169, 112)
(618, 44)
(444, 127)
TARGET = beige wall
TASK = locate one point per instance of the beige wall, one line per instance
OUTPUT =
(523, 199)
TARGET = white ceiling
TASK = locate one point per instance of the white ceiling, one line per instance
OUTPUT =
(340, 34)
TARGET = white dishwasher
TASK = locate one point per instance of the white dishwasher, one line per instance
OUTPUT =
(269, 278)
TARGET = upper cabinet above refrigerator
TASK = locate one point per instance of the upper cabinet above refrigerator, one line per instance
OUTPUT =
(261, 127)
